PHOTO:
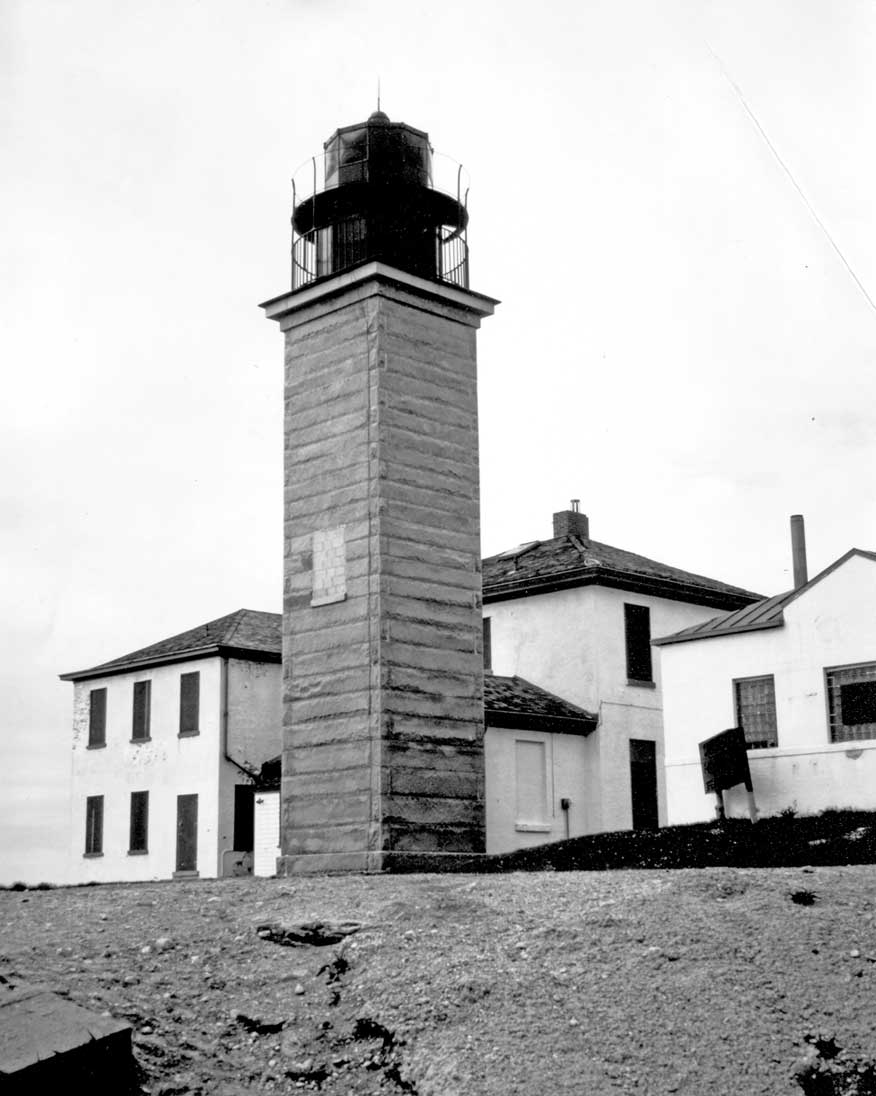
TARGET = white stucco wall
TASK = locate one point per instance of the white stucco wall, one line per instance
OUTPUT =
(565, 774)
(267, 833)
(166, 766)
(255, 734)
(831, 624)
(572, 643)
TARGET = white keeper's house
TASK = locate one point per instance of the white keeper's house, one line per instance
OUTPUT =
(798, 673)
(577, 617)
(167, 742)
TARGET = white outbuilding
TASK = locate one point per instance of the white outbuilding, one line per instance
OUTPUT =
(798, 673)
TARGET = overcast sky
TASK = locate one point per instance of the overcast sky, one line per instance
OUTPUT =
(679, 345)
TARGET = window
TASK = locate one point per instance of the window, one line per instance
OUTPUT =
(142, 710)
(94, 825)
(139, 841)
(97, 718)
(851, 702)
(488, 644)
(189, 698)
(756, 711)
(531, 786)
(637, 625)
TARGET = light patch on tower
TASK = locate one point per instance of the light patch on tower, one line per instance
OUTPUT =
(329, 565)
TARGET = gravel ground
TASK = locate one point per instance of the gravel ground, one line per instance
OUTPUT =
(695, 981)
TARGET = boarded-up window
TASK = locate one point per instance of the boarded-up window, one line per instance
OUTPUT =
(329, 566)
(139, 841)
(97, 718)
(851, 696)
(531, 782)
(637, 627)
(756, 711)
(189, 703)
(94, 825)
(488, 644)
(142, 710)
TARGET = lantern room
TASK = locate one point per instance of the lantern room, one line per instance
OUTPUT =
(371, 197)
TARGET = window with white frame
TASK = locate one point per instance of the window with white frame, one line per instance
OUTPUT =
(756, 710)
(851, 702)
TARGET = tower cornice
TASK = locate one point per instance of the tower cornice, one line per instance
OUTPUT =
(289, 309)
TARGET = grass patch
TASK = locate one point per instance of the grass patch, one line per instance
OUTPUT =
(786, 840)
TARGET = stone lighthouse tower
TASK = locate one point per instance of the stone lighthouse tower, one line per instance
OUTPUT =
(383, 667)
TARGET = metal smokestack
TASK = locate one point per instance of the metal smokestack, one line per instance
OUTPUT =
(798, 550)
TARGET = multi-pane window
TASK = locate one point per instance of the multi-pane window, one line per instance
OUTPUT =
(94, 825)
(97, 718)
(756, 710)
(139, 840)
(851, 702)
(142, 710)
(488, 644)
(637, 629)
(189, 702)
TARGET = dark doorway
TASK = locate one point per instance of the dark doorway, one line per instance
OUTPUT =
(186, 833)
(643, 783)
(244, 795)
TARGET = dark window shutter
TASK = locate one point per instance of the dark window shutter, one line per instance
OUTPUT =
(488, 643)
(94, 824)
(189, 698)
(139, 822)
(97, 718)
(142, 705)
(637, 622)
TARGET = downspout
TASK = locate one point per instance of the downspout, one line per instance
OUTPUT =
(223, 718)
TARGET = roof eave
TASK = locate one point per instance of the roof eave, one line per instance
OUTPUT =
(623, 580)
(533, 721)
(196, 654)
(667, 641)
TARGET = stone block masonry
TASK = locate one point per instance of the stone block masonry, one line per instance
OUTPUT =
(383, 667)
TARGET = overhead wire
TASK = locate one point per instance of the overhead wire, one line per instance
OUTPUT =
(794, 183)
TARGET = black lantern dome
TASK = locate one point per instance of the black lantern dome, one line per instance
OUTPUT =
(374, 200)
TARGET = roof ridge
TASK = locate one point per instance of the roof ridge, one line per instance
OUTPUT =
(236, 621)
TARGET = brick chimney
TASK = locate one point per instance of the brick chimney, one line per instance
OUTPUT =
(798, 551)
(572, 522)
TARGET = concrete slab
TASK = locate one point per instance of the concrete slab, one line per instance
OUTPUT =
(48, 1041)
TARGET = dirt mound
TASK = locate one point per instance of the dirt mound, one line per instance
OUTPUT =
(647, 982)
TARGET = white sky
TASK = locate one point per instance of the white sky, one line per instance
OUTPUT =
(678, 345)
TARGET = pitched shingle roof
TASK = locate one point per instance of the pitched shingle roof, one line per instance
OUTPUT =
(541, 566)
(766, 613)
(516, 702)
(245, 633)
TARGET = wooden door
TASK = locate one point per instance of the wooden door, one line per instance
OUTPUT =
(643, 783)
(186, 833)
(244, 807)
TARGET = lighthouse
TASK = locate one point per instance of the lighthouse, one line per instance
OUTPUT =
(383, 765)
